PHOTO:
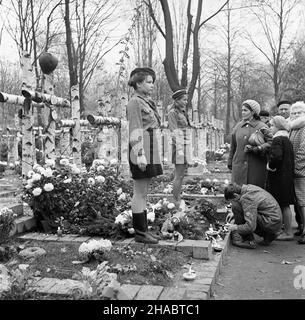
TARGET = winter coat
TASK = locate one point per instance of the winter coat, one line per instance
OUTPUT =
(297, 138)
(144, 122)
(281, 169)
(256, 201)
(178, 124)
(248, 168)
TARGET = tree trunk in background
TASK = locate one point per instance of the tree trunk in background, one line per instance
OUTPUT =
(229, 84)
(169, 61)
(70, 47)
(196, 58)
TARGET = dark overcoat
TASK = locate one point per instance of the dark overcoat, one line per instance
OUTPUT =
(280, 182)
(248, 168)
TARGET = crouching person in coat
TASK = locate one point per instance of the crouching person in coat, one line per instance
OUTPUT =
(255, 211)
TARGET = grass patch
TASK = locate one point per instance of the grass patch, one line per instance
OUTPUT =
(152, 266)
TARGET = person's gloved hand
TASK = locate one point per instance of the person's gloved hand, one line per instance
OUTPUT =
(252, 149)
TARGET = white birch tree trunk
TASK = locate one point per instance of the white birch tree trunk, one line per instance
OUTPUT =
(51, 124)
(76, 143)
(28, 82)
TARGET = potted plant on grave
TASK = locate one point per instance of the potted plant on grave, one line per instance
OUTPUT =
(76, 200)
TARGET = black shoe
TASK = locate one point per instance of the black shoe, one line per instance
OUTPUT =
(140, 227)
(302, 240)
(298, 233)
(246, 244)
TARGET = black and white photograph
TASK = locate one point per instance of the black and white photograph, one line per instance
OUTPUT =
(152, 155)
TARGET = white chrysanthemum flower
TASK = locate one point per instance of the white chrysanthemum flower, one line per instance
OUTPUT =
(171, 206)
(113, 162)
(215, 180)
(158, 206)
(37, 192)
(122, 196)
(28, 186)
(100, 168)
(208, 180)
(226, 181)
(69, 180)
(50, 163)
(48, 172)
(87, 248)
(124, 217)
(203, 190)
(17, 163)
(30, 173)
(40, 170)
(91, 181)
(11, 165)
(100, 179)
(166, 190)
(36, 177)
(36, 166)
(75, 170)
(119, 191)
(48, 187)
(131, 230)
(151, 216)
(64, 162)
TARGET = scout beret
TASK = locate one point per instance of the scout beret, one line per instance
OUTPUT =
(144, 70)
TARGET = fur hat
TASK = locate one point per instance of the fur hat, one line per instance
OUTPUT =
(179, 93)
(145, 70)
(252, 105)
(281, 123)
(298, 105)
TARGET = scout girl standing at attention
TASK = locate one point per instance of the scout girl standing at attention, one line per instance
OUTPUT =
(144, 159)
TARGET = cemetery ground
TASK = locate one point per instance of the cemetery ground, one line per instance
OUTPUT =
(134, 264)
(272, 272)
(264, 273)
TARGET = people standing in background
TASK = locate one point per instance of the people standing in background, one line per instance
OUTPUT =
(248, 163)
(284, 107)
(144, 159)
(265, 117)
(280, 168)
(297, 138)
(178, 123)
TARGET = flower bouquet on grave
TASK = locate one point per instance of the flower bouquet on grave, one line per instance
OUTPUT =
(93, 249)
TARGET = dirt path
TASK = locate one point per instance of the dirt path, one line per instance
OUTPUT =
(260, 273)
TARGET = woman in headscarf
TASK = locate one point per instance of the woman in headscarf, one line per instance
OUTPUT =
(281, 172)
(144, 159)
(178, 123)
(248, 162)
(297, 138)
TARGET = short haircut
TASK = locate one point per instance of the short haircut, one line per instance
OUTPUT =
(138, 75)
(264, 113)
(230, 189)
